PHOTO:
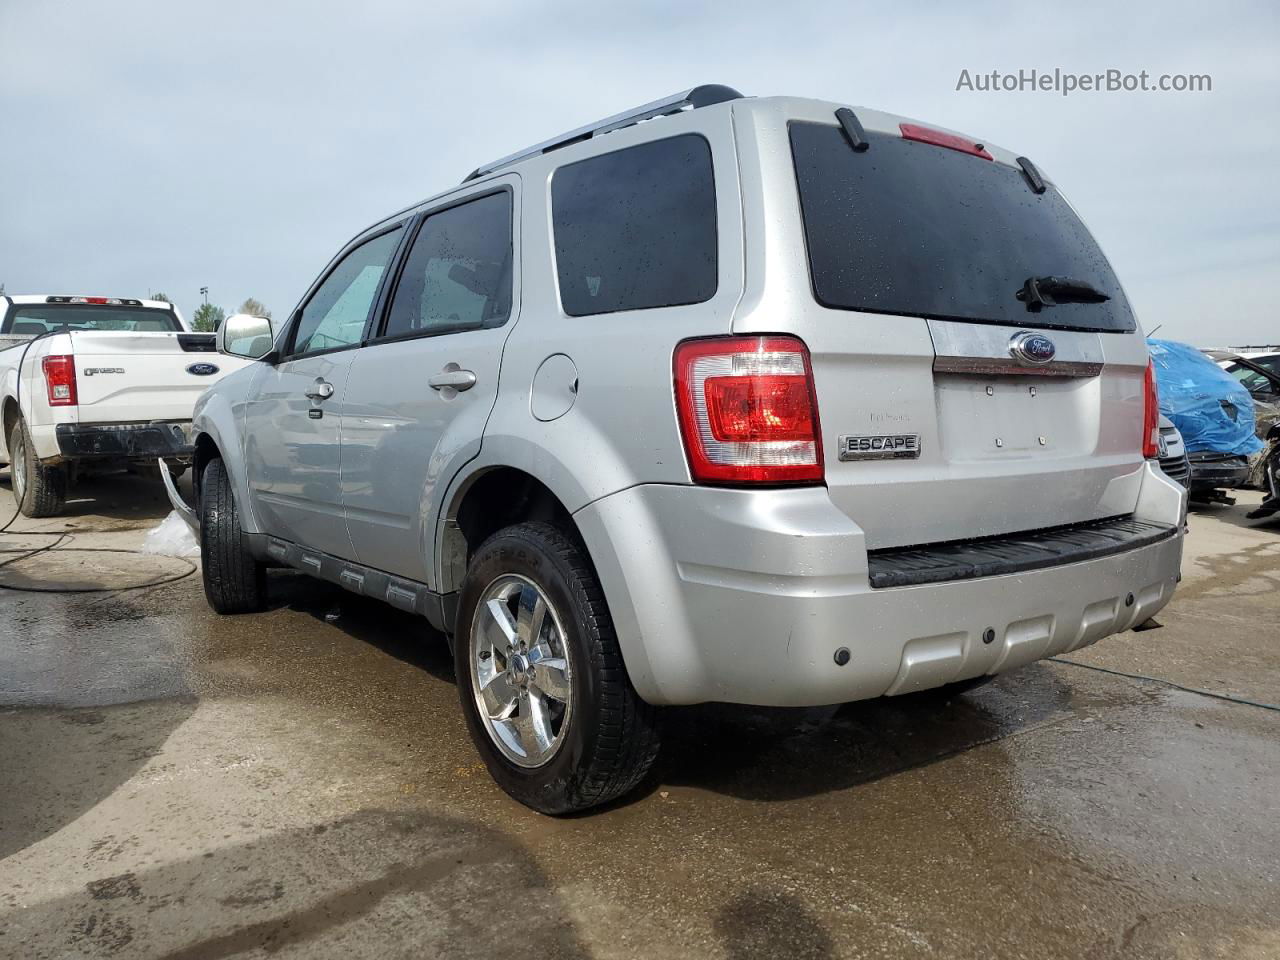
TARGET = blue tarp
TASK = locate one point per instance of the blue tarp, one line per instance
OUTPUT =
(1210, 408)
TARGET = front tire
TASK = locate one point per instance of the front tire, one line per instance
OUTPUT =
(544, 691)
(39, 490)
(234, 580)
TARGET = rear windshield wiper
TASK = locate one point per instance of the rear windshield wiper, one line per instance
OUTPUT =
(1040, 292)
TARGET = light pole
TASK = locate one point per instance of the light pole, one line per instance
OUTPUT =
(204, 292)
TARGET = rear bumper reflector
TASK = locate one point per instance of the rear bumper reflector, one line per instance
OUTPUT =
(1014, 553)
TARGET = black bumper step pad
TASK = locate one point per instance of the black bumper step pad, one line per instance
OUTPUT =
(1012, 553)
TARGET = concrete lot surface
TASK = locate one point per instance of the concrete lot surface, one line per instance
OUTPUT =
(299, 783)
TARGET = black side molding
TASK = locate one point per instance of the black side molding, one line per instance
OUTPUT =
(1034, 180)
(1015, 553)
(852, 129)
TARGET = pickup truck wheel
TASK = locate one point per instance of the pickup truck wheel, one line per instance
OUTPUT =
(40, 490)
(234, 580)
(543, 687)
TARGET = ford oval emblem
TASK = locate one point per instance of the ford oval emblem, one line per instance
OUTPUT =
(1032, 348)
(202, 369)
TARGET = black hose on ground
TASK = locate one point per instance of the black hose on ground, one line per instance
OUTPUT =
(58, 546)
(1169, 683)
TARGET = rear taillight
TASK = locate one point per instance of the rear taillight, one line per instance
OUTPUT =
(747, 410)
(1150, 414)
(60, 380)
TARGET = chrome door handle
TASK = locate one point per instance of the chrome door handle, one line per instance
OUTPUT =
(452, 376)
(320, 390)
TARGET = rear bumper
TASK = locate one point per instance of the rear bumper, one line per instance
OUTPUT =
(1211, 471)
(746, 596)
(78, 441)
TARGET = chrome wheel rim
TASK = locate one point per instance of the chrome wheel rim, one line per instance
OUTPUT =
(18, 466)
(521, 675)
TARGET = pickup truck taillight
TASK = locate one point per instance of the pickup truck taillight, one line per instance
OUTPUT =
(60, 380)
(747, 410)
(1150, 414)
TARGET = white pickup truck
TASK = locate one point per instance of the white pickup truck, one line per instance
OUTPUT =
(95, 379)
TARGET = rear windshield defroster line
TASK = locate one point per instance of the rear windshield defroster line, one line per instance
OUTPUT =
(916, 230)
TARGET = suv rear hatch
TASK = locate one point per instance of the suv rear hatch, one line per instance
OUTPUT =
(935, 426)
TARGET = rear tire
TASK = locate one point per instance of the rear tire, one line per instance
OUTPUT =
(604, 737)
(39, 489)
(234, 580)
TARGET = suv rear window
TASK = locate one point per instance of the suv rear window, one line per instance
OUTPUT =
(636, 228)
(33, 319)
(914, 229)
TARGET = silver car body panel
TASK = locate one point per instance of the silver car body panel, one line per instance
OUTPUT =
(745, 596)
(621, 428)
(402, 439)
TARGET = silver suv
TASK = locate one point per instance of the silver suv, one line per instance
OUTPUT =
(768, 401)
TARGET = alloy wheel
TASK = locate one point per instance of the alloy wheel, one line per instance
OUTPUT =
(521, 675)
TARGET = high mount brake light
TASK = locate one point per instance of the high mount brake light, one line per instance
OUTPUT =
(913, 131)
(1150, 413)
(748, 414)
(110, 301)
(60, 380)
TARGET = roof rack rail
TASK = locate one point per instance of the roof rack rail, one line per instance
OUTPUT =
(701, 96)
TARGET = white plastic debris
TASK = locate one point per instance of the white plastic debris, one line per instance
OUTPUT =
(172, 538)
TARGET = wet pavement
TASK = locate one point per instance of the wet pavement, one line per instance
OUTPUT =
(175, 784)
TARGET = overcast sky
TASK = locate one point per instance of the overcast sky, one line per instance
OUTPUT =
(150, 146)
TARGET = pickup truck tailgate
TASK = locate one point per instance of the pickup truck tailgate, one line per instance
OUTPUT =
(131, 377)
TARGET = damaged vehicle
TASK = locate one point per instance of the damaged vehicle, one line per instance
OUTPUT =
(718, 399)
(1270, 479)
(1214, 414)
(1263, 384)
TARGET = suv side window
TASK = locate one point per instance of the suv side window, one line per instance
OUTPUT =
(336, 313)
(636, 228)
(458, 272)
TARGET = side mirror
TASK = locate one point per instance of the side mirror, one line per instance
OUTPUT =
(244, 335)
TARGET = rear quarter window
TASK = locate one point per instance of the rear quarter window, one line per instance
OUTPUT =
(636, 228)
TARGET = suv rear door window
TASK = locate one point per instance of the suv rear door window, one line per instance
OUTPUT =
(335, 315)
(636, 228)
(919, 230)
(458, 273)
